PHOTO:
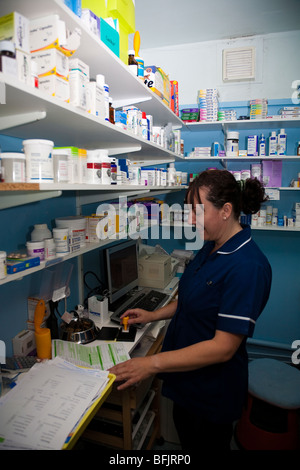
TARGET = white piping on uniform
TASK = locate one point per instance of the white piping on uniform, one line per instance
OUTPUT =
(236, 317)
(229, 252)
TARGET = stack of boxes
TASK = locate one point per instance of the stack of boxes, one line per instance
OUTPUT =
(258, 109)
(208, 103)
(14, 28)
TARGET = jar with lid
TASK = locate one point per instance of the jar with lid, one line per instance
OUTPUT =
(40, 232)
(232, 144)
(8, 63)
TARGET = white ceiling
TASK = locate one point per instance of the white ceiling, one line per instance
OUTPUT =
(171, 22)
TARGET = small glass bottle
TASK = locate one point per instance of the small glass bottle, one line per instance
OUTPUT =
(111, 111)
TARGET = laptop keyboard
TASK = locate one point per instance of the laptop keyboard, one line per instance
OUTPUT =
(149, 301)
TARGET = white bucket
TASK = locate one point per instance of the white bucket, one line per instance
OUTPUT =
(36, 249)
(39, 160)
(76, 226)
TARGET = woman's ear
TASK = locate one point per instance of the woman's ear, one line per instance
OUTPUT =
(227, 210)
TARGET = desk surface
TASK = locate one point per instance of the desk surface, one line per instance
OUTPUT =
(151, 328)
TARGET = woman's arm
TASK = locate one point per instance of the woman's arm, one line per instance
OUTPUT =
(219, 349)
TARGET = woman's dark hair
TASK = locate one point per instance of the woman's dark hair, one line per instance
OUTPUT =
(245, 196)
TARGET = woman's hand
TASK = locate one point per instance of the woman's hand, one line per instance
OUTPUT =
(133, 371)
(137, 315)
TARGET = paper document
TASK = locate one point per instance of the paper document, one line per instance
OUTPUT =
(103, 356)
(45, 406)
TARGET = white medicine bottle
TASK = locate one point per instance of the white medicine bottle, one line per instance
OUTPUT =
(171, 175)
(40, 232)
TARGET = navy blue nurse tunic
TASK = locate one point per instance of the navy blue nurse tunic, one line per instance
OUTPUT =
(226, 291)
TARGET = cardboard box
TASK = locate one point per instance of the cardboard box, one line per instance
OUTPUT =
(49, 32)
(97, 6)
(23, 61)
(51, 61)
(124, 11)
(174, 98)
(56, 86)
(17, 265)
(272, 173)
(92, 21)
(95, 100)
(110, 37)
(158, 81)
(155, 270)
(15, 27)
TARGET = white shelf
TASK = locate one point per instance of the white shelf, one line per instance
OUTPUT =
(243, 124)
(124, 87)
(242, 159)
(67, 125)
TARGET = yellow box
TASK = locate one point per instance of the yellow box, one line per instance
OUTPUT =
(158, 81)
(124, 11)
(96, 6)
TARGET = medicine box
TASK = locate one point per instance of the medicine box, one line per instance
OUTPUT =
(78, 64)
(95, 100)
(15, 27)
(91, 20)
(158, 82)
(17, 265)
(23, 64)
(50, 32)
(124, 12)
(110, 37)
(56, 86)
(252, 146)
(51, 61)
(272, 173)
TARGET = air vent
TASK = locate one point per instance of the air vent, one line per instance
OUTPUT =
(239, 64)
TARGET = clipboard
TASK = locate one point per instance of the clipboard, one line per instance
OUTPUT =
(75, 434)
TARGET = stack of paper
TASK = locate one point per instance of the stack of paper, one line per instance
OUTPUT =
(50, 400)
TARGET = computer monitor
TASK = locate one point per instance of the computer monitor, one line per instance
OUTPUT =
(122, 269)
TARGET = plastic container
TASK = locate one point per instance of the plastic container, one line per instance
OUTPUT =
(40, 232)
(50, 248)
(76, 226)
(61, 169)
(13, 167)
(8, 62)
(273, 144)
(36, 249)
(262, 146)
(3, 268)
(61, 240)
(105, 167)
(171, 175)
(93, 167)
(232, 144)
(39, 160)
(281, 142)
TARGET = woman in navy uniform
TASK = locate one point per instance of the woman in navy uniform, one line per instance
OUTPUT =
(224, 289)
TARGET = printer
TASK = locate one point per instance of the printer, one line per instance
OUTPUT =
(156, 270)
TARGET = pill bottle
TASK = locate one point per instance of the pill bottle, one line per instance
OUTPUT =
(93, 167)
(171, 175)
(61, 240)
(50, 249)
(3, 269)
(232, 144)
(8, 57)
(298, 149)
